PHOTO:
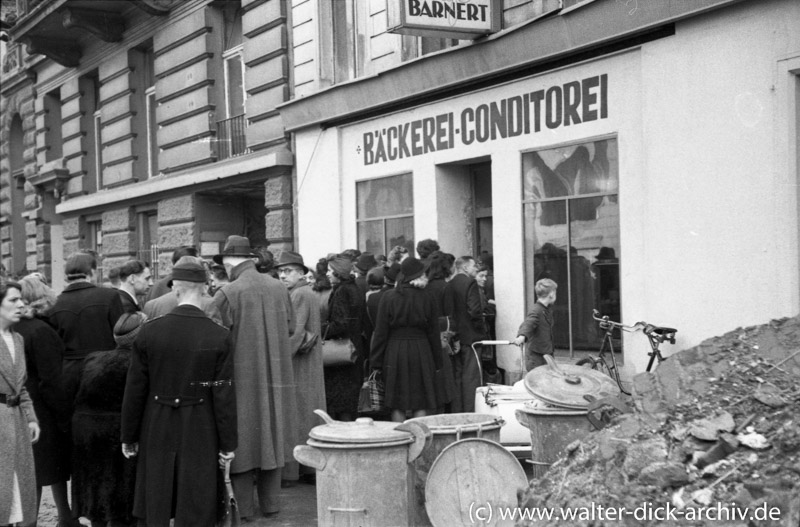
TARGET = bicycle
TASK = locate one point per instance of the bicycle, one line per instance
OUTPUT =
(655, 334)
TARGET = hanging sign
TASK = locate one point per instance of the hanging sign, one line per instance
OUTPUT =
(459, 19)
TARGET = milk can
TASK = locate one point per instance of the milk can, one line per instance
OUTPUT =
(363, 467)
(558, 416)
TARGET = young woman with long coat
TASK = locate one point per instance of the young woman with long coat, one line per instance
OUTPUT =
(406, 344)
(19, 427)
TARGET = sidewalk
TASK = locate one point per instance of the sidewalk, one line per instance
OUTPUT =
(298, 509)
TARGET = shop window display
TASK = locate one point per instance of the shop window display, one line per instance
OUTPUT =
(571, 225)
(385, 214)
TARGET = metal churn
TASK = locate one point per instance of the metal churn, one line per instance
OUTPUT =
(558, 416)
(364, 477)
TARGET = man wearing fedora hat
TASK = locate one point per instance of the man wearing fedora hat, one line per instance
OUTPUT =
(258, 310)
(306, 359)
(179, 409)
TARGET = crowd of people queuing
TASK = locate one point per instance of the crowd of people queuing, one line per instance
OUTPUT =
(136, 392)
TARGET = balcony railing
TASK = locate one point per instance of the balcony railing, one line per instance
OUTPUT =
(231, 137)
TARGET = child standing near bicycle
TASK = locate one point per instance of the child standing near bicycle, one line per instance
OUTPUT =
(537, 329)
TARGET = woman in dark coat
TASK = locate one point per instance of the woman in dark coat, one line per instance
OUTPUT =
(44, 354)
(102, 479)
(439, 268)
(346, 310)
(406, 344)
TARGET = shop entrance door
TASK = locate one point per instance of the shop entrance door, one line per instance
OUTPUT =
(481, 183)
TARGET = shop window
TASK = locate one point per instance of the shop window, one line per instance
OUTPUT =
(385, 215)
(571, 225)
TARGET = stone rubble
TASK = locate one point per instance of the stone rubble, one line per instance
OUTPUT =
(716, 426)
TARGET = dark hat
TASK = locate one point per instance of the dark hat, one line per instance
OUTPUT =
(411, 269)
(341, 266)
(606, 253)
(236, 246)
(290, 258)
(392, 271)
(366, 262)
(127, 327)
(188, 272)
(79, 265)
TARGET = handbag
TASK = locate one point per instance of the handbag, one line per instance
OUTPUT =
(337, 352)
(371, 397)
(450, 342)
(310, 340)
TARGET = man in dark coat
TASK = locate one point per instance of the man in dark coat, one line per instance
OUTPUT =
(258, 310)
(537, 328)
(179, 410)
(83, 316)
(135, 281)
(462, 303)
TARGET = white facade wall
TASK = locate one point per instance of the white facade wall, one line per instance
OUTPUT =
(708, 182)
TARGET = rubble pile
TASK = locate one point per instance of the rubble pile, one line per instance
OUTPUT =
(714, 440)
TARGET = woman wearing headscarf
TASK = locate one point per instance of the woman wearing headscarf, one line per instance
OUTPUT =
(103, 479)
(44, 354)
(344, 320)
(19, 427)
(406, 345)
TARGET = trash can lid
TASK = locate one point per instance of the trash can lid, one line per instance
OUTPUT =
(362, 430)
(468, 474)
(565, 385)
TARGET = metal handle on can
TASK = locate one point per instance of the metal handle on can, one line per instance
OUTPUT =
(344, 509)
(422, 438)
(569, 379)
(310, 456)
(480, 430)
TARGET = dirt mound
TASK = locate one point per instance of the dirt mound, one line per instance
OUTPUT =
(714, 440)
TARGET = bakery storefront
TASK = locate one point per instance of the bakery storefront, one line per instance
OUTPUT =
(649, 188)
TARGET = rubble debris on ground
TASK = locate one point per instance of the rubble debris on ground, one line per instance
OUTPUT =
(716, 427)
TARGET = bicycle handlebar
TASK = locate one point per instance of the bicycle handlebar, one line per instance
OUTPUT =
(606, 323)
(658, 333)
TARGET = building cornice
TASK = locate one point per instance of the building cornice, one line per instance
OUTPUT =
(190, 180)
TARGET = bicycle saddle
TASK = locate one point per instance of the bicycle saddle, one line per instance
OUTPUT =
(661, 333)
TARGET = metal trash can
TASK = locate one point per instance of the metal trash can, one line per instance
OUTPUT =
(559, 416)
(445, 430)
(363, 470)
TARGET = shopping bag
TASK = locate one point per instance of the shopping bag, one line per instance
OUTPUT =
(450, 343)
(371, 398)
(336, 352)
(230, 516)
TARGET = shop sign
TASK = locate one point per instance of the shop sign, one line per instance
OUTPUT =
(459, 19)
(568, 104)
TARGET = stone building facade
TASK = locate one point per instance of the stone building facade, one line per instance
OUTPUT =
(131, 128)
